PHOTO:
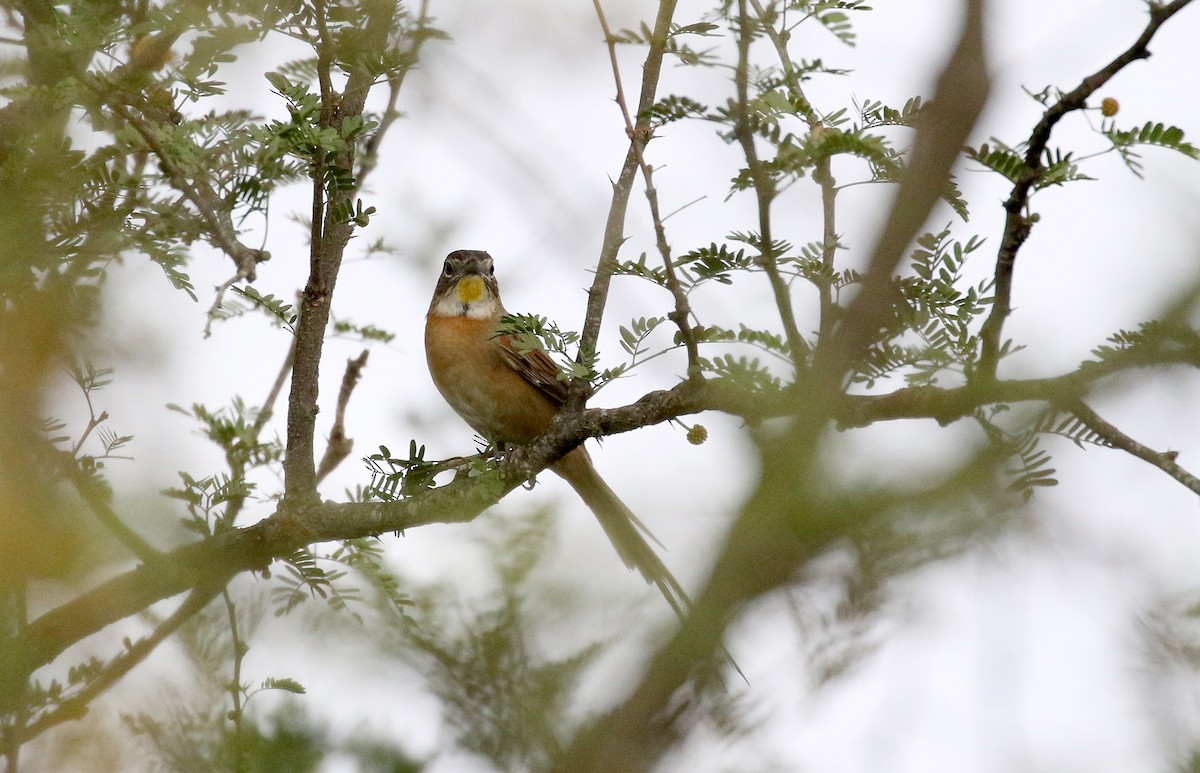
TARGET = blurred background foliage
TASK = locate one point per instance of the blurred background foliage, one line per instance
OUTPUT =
(129, 136)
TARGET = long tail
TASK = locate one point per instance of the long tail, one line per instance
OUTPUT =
(627, 533)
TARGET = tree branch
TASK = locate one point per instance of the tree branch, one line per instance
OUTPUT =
(614, 228)
(370, 155)
(681, 316)
(339, 446)
(76, 705)
(1164, 460)
(211, 208)
(90, 491)
(764, 190)
(213, 562)
(786, 521)
(255, 546)
(330, 237)
(1017, 222)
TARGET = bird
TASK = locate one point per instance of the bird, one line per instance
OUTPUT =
(510, 395)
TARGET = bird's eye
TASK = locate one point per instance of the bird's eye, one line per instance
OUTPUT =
(446, 269)
(491, 270)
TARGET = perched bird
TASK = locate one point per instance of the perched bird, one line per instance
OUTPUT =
(510, 396)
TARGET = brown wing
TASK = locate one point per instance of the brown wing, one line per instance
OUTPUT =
(536, 367)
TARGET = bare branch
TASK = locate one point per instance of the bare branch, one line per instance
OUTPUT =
(1163, 460)
(219, 298)
(1017, 222)
(339, 445)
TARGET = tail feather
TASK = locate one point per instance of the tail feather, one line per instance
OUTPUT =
(626, 532)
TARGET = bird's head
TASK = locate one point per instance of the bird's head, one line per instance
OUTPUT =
(467, 287)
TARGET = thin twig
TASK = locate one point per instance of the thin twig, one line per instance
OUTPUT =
(764, 191)
(268, 407)
(210, 206)
(822, 175)
(76, 705)
(1017, 222)
(93, 422)
(1163, 460)
(370, 155)
(639, 136)
(91, 494)
(219, 298)
(237, 465)
(614, 228)
(789, 68)
(235, 683)
(340, 446)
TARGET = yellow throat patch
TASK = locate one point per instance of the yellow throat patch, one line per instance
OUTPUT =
(470, 288)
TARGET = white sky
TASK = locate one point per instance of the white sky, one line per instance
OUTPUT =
(1024, 655)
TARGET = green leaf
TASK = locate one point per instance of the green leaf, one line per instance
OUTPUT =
(1155, 134)
(1000, 159)
(283, 683)
(279, 82)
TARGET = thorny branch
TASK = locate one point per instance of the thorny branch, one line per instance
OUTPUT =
(681, 316)
(1017, 221)
(614, 228)
(1163, 460)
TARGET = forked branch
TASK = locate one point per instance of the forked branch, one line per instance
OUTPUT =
(1017, 220)
(614, 228)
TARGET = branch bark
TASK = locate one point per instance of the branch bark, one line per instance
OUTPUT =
(614, 228)
(682, 314)
(1163, 460)
(330, 235)
(339, 446)
(1017, 222)
(215, 561)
